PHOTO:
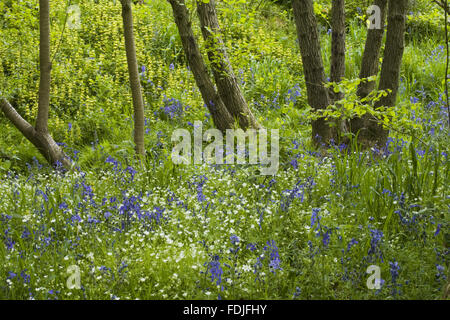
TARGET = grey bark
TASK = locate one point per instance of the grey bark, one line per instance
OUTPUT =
(138, 102)
(221, 117)
(308, 38)
(337, 71)
(369, 67)
(224, 76)
(370, 61)
(390, 69)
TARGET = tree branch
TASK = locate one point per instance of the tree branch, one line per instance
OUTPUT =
(442, 5)
(41, 140)
(20, 123)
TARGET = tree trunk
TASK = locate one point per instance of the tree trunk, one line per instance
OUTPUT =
(337, 71)
(308, 38)
(369, 67)
(138, 102)
(221, 117)
(370, 60)
(226, 81)
(39, 136)
(45, 67)
(41, 140)
(390, 69)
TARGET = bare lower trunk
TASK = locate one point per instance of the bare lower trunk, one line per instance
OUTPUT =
(337, 61)
(221, 117)
(226, 81)
(308, 38)
(369, 67)
(390, 69)
(337, 71)
(370, 60)
(39, 136)
(45, 66)
(138, 102)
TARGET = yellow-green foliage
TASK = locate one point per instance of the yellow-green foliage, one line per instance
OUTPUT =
(89, 74)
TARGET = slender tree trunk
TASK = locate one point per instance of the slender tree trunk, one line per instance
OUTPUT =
(308, 38)
(221, 117)
(390, 69)
(138, 102)
(226, 81)
(337, 71)
(40, 136)
(45, 67)
(370, 67)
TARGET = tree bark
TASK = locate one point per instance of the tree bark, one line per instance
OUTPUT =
(441, 3)
(390, 69)
(308, 38)
(369, 67)
(337, 71)
(370, 60)
(41, 140)
(45, 67)
(138, 102)
(226, 81)
(39, 136)
(221, 116)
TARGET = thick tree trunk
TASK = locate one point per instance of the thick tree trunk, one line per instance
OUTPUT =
(39, 136)
(221, 117)
(308, 38)
(390, 69)
(370, 60)
(337, 71)
(226, 81)
(370, 67)
(138, 102)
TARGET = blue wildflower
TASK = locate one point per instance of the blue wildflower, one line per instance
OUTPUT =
(315, 218)
(251, 247)
(297, 292)
(215, 269)
(438, 229)
(440, 274)
(274, 263)
(234, 239)
(351, 244)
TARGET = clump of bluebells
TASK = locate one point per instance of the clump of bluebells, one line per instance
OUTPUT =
(269, 257)
(172, 110)
(215, 271)
(375, 252)
(394, 269)
(321, 231)
(274, 256)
